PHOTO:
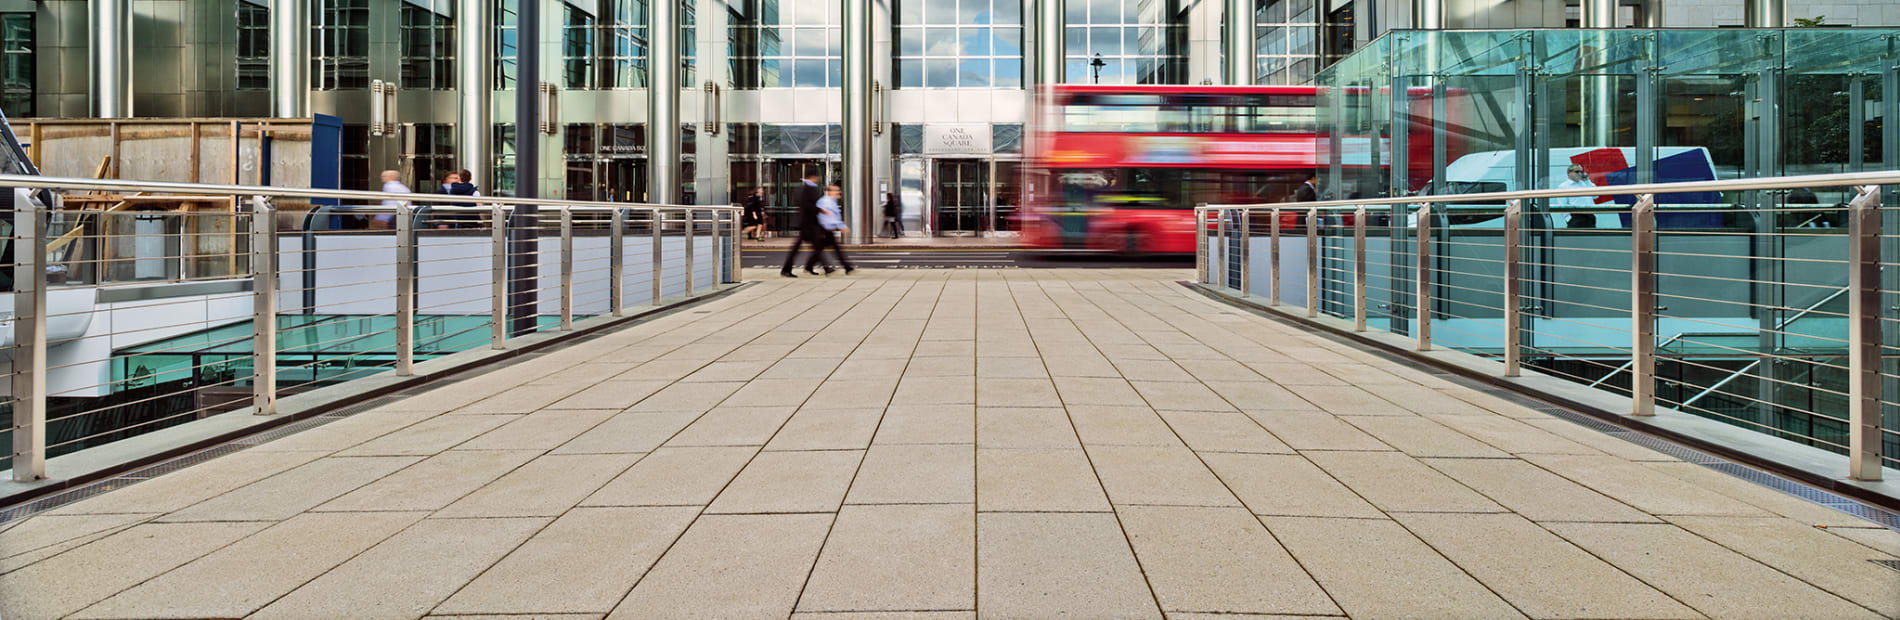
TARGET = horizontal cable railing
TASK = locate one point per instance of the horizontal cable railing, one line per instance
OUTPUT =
(137, 306)
(1762, 315)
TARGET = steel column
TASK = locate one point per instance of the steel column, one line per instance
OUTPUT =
(1643, 306)
(1359, 270)
(1046, 69)
(1220, 232)
(498, 289)
(405, 290)
(475, 84)
(1200, 244)
(1422, 297)
(1864, 336)
(109, 52)
(263, 306)
(692, 224)
(1513, 288)
(29, 336)
(659, 226)
(617, 263)
(1246, 243)
(1273, 260)
(1312, 262)
(567, 269)
(1239, 41)
(663, 101)
(1764, 13)
(290, 36)
(859, 157)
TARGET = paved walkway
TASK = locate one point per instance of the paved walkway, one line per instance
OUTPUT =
(1023, 444)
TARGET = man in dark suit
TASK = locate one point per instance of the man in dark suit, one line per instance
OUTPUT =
(1307, 192)
(805, 219)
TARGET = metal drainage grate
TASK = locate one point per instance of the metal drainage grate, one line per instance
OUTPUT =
(1893, 564)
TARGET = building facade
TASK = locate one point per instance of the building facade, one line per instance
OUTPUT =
(760, 80)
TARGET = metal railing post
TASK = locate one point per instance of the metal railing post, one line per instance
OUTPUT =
(1273, 260)
(1220, 232)
(1422, 295)
(617, 262)
(1312, 262)
(1246, 251)
(692, 224)
(567, 269)
(719, 246)
(498, 287)
(405, 290)
(1864, 452)
(264, 306)
(659, 225)
(1200, 244)
(1359, 269)
(1513, 295)
(29, 337)
(1643, 306)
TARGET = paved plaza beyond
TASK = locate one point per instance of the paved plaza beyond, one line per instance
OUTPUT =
(950, 444)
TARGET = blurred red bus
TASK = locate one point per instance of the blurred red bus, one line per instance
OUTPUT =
(1120, 168)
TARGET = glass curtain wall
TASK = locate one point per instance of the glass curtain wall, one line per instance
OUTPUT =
(787, 44)
(1138, 42)
(959, 43)
(253, 45)
(1286, 40)
(428, 44)
(1751, 309)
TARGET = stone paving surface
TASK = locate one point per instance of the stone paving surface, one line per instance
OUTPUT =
(949, 444)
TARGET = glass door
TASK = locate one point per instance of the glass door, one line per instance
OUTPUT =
(962, 197)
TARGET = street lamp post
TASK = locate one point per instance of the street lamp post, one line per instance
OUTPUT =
(1097, 65)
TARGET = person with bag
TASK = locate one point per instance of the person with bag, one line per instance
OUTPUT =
(831, 224)
(893, 215)
(805, 219)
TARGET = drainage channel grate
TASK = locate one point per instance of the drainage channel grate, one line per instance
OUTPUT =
(1893, 564)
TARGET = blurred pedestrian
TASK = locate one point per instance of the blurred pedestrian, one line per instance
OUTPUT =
(893, 215)
(1308, 190)
(392, 184)
(831, 224)
(805, 219)
(754, 214)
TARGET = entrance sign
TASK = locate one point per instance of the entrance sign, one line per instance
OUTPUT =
(957, 139)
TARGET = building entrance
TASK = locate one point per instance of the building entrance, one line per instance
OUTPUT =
(783, 176)
(961, 197)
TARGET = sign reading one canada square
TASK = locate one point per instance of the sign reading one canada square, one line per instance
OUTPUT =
(957, 139)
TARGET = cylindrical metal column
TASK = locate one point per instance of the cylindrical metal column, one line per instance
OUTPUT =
(264, 306)
(290, 58)
(1653, 14)
(1240, 44)
(1764, 13)
(663, 101)
(858, 190)
(1047, 66)
(474, 129)
(1594, 13)
(1863, 336)
(1429, 14)
(109, 52)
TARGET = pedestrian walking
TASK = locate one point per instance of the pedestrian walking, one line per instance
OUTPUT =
(831, 221)
(893, 215)
(754, 214)
(392, 184)
(456, 184)
(805, 219)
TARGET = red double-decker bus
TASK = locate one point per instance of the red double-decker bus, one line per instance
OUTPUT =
(1120, 168)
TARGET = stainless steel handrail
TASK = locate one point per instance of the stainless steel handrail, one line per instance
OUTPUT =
(1884, 177)
(444, 200)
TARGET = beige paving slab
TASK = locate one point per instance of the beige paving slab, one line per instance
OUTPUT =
(349, 431)
(585, 561)
(839, 393)
(1346, 400)
(1016, 392)
(1758, 496)
(1289, 373)
(1603, 442)
(1497, 404)
(1422, 399)
(1315, 430)
(38, 532)
(733, 426)
(436, 557)
(1288, 485)
(250, 573)
(1877, 538)
(1510, 435)
(546, 486)
(1038, 565)
(1716, 581)
(790, 482)
(923, 424)
(936, 390)
(1516, 559)
(687, 476)
(284, 495)
(1536, 494)
(1037, 480)
(517, 617)
(827, 429)
(1152, 370)
(772, 393)
(950, 366)
(614, 395)
(191, 485)
(802, 368)
(1097, 391)
(1359, 373)
(523, 399)
(731, 566)
(734, 371)
(1218, 560)
(1218, 370)
(884, 615)
(1408, 580)
(920, 474)
(1811, 554)
(629, 433)
(542, 430)
(1006, 348)
(1644, 488)
(1011, 368)
(430, 436)
(1183, 396)
(433, 483)
(878, 371)
(1077, 362)
(75, 579)
(1118, 425)
(896, 557)
(1218, 431)
(1166, 476)
(1422, 437)
(946, 348)
(688, 396)
(1024, 427)
(1394, 481)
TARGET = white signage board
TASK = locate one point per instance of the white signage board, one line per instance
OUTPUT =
(957, 139)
